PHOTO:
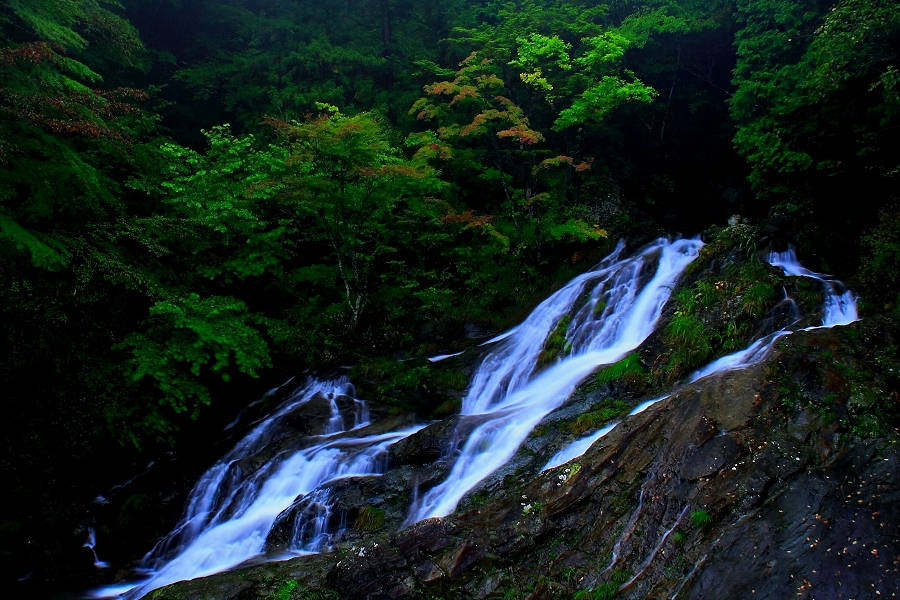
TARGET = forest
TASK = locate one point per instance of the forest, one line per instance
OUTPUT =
(202, 198)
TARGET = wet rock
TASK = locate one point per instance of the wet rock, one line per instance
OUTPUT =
(435, 441)
(709, 458)
(427, 445)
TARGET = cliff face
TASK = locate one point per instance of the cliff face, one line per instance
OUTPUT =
(751, 484)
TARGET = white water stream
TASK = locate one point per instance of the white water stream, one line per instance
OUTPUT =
(233, 506)
(839, 309)
(625, 297)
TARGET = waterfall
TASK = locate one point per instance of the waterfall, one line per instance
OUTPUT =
(839, 309)
(840, 303)
(233, 506)
(621, 310)
(606, 313)
(91, 544)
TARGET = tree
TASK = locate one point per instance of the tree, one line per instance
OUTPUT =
(348, 188)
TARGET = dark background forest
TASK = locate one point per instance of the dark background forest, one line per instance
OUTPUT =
(201, 198)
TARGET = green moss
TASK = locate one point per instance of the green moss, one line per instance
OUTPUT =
(369, 518)
(556, 343)
(608, 410)
(607, 590)
(447, 408)
(808, 293)
(630, 366)
(691, 342)
(853, 389)
(757, 299)
(718, 314)
(480, 498)
(285, 591)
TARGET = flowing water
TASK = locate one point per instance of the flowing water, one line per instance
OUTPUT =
(91, 544)
(233, 506)
(840, 303)
(623, 299)
(607, 312)
(839, 309)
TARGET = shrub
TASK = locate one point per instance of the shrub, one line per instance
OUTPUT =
(880, 268)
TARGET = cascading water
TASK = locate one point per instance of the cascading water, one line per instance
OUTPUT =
(621, 310)
(612, 309)
(839, 309)
(840, 303)
(230, 512)
(91, 544)
(578, 447)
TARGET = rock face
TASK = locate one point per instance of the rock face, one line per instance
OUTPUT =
(730, 488)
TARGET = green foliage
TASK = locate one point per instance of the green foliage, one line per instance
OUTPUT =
(701, 519)
(480, 498)
(556, 344)
(851, 391)
(285, 592)
(721, 310)
(606, 411)
(63, 22)
(43, 254)
(758, 298)
(607, 590)
(798, 64)
(880, 269)
(139, 271)
(538, 53)
(691, 341)
(425, 388)
(629, 367)
(598, 100)
(293, 590)
(192, 336)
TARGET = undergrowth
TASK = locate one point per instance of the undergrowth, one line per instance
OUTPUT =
(722, 309)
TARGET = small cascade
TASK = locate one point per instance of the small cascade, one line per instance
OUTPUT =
(839, 309)
(578, 447)
(91, 544)
(840, 303)
(441, 357)
(750, 355)
(625, 300)
(222, 489)
(233, 506)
